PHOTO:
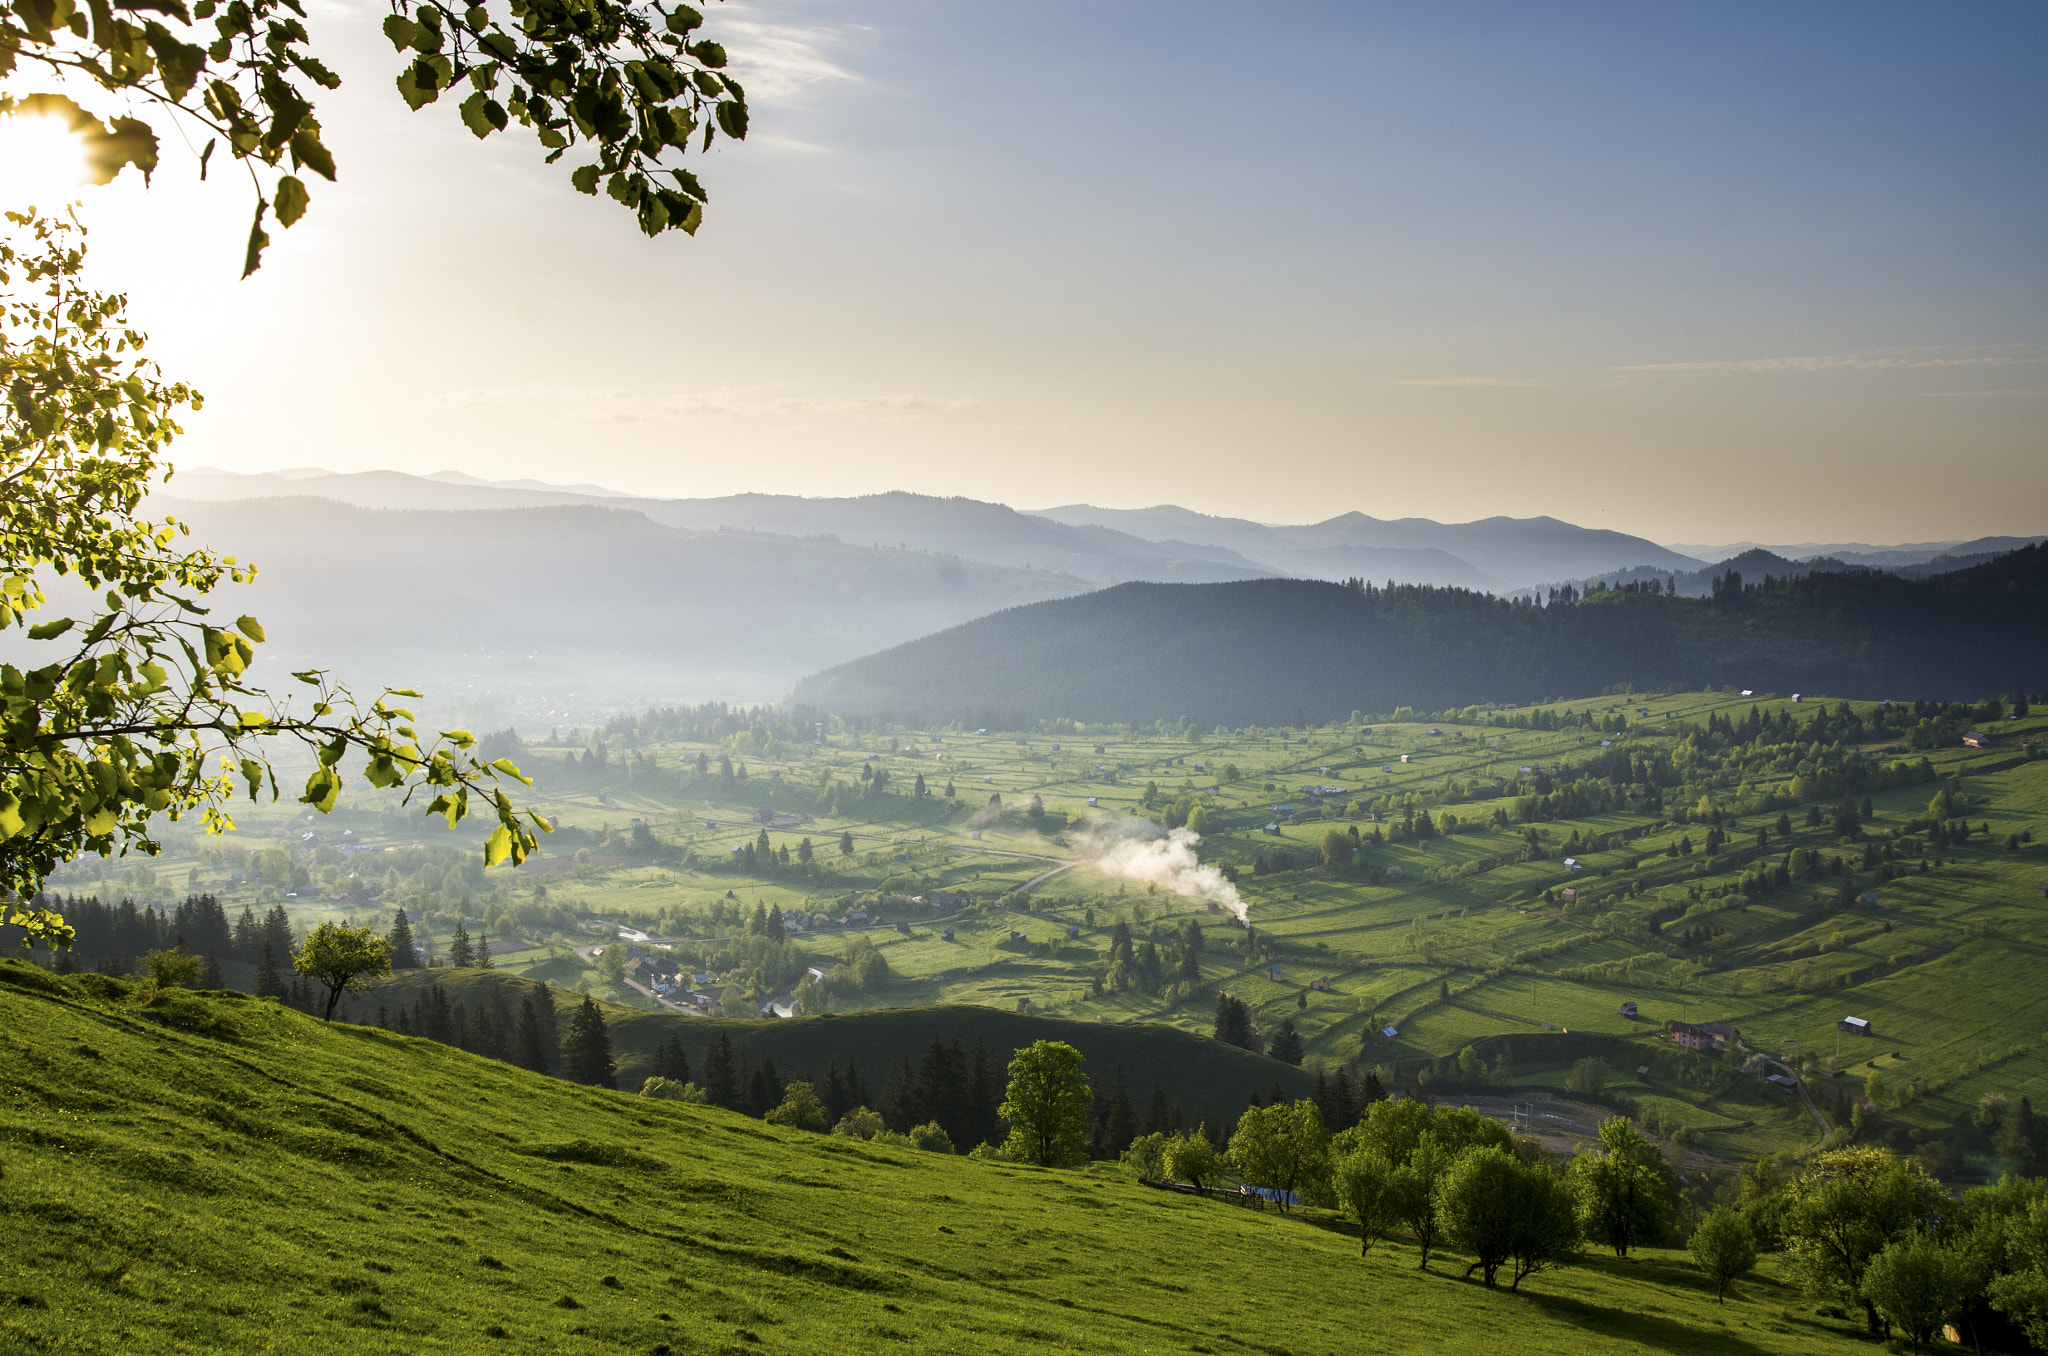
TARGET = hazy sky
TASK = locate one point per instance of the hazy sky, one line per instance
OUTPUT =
(1702, 272)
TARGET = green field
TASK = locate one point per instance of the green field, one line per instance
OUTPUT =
(1943, 962)
(193, 1173)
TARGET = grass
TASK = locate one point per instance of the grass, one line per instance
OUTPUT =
(211, 1173)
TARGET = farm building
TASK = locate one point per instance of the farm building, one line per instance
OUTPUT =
(1568, 895)
(1072, 932)
(946, 936)
(1627, 1009)
(1719, 1030)
(1857, 1026)
(1388, 1033)
(1692, 1037)
(1783, 1082)
(1320, 985)
(1977, 740)
(1642, 1073)
(1016, 936)
(2042, 889)
(1274, 973)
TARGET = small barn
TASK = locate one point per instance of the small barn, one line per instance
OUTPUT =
(1642, 1073)
(1275, 974)
(1783, 1082)
(1320, 985)
(1857, 1026)
(1016, 936)
(1073, 932)
(946, 936)
(1976, 739)
(1627, 1009)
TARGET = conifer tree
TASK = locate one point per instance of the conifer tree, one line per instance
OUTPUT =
(721, 1075)
(531, 1055)
(1120, 1123)
(483, 952)
(588, 1058)
(269, 983)
(846, 843)
(403, 957)
(1287, 1047)
(550, 1029)
(460, 954)
(209, 974)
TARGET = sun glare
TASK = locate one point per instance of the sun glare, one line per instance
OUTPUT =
(41, 162)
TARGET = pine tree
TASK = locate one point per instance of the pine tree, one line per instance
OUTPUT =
(249, 938)
(403, 957)
(269, 983)
(721, 1075)
(550, 1030)
(483, 952)
(460, 954)
(846, 843)
(1374, 1092)
(671, 1062)
(764, 1088)
(1287, 1047)
(1120, 1124)
(918, 790)
(1158, 1119)
(532, 1054)
(588, 1059)
(209, 974)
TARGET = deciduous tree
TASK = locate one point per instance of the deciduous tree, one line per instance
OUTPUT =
(1047, 1105)
(342, 958)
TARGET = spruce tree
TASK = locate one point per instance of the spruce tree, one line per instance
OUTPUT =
(269, 983)
(210, 976)
(721, 1075)
(460, 953)
(483, 952)
(1120, 1125)
(531, 1054)
(1287, 1047)
(550, 1029)
(588, 1059)
(403, 957)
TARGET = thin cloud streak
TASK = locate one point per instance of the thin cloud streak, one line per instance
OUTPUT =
(628, 407)
(1472, 381)
(1878, 361)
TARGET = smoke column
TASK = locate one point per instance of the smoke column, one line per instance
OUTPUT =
(1138, 849)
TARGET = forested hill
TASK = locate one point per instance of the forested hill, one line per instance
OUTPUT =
(1273, 651)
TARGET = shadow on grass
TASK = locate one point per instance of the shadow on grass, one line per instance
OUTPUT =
(1648, 1330)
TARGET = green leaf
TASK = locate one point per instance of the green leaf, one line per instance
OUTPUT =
(732, 119)
(584, 177)
(258, 241)
(498, 846)
(309, 153)
(250, 627)
(708, 52)
(50, 630)
(402, 31)
(291, 205)
(483, 115)
(682, 19)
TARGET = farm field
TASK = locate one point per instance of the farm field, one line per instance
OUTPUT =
(1711, 879)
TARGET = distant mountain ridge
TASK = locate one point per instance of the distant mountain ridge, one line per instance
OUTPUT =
(1105, 546)
(1278, 651)
(1496, 553)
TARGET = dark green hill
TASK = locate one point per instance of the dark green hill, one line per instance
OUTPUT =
(1211, 1080)
(211, 1173)
(1277, 651)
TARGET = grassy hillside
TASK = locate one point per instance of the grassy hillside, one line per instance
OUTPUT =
(211, 1173)
(1211, 1080)
(1274, 651)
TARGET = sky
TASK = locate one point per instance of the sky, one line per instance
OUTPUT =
(1704, 273)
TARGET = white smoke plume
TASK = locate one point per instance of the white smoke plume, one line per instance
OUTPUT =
(1139, 849)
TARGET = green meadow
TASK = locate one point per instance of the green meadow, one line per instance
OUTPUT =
(208, 1172)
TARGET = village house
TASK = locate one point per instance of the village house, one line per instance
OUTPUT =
(1692, 1037)
(1320, 985)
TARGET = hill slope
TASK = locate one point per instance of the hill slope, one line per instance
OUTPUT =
(210, 1173)
(1279, 651)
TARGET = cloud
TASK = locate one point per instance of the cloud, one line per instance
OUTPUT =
(618, 406)
(2015, 391)
(1472, 381)
(1878, 360)
(781, 63)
